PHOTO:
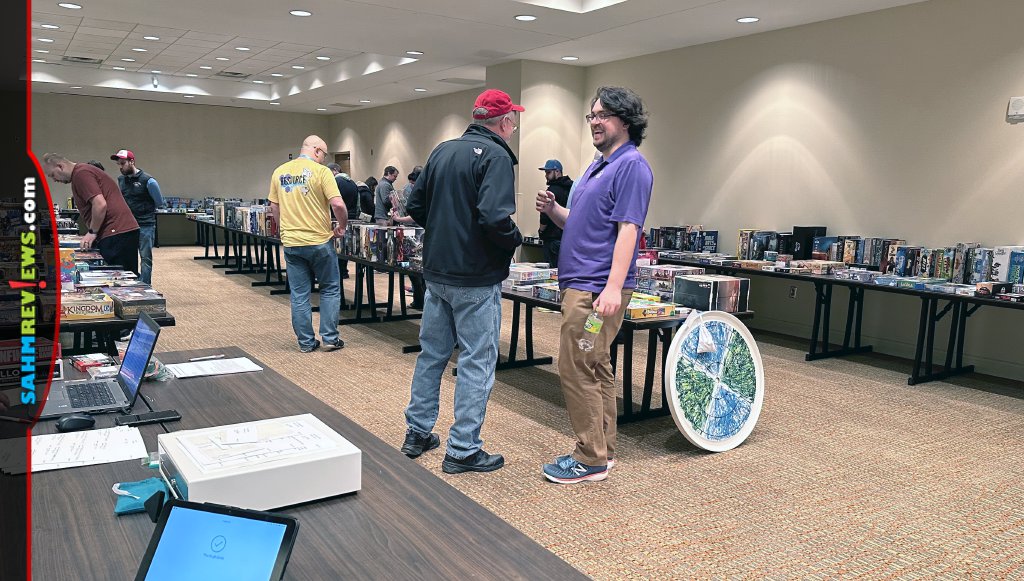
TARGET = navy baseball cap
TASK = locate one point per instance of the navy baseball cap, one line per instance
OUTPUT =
(551, 164)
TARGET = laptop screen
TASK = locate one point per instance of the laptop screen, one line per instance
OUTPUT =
(198, 545)
(136, 358)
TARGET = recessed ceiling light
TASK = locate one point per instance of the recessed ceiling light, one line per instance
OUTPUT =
(69, 5)
(747, 20)
(323, 58)
(42, 51)
(258, 82)
(191, 75)
(364, 100)
(128, 60)
(151, 37)
(139, 49)
(76, 87)
(420, 90)
(118, 68)
(299, 67)
(300, 13)
(45, 39)
(274, 103)
(206, 67)
(38, 61)
(276, 75)
(570, 58)
(190, 96)
(414, 52)
(321, 109)
(526, 17)
(241, 48)
(223, 58)
(156, 72)
(49, 26)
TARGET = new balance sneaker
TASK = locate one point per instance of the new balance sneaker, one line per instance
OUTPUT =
(567, 470)
(334, 346)
(415, 444)
(314, 347)
(559, 459)
(479, 461)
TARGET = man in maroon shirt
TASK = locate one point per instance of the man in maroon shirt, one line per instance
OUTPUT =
(112, 228)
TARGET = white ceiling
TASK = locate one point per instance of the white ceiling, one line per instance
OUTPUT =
(366, 42)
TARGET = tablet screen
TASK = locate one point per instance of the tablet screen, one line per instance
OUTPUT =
(199, 545)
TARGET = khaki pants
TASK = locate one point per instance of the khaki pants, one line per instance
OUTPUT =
(588, 383)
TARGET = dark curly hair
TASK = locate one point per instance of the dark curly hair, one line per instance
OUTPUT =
(626, 105)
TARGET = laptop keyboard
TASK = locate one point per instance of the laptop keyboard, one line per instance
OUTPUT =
(89, 394)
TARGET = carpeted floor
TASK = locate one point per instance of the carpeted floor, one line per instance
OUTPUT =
(849, 472)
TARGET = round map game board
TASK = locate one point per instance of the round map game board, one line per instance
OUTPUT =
(715, 396)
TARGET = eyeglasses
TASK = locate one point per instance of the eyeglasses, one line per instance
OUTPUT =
(515, 126)
(600, 116)
(322, 152)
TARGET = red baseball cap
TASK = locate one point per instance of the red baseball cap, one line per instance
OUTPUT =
(123, 154)
(496, 102)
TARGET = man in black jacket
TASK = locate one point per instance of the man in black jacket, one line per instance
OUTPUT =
(464, 199)
(550, 233)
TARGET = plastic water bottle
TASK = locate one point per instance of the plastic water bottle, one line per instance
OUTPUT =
(591, 328)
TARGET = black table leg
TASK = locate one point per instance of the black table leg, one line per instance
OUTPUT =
(822, 318)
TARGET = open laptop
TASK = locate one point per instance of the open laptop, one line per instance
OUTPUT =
(108, 395)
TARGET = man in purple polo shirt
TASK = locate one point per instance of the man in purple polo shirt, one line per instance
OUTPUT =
(597, 272)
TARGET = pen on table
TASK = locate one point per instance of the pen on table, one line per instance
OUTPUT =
(13, 419)
(207, 358)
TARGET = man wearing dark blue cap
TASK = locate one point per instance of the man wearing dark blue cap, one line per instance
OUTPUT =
(559, 185)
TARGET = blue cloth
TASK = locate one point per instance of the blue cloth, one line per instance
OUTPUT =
(302, 264)
(144, 489)
(613, 190)
(471, 315)
(147, 237)
(154, 191)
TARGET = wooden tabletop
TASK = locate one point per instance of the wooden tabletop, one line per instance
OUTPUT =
(405, 523)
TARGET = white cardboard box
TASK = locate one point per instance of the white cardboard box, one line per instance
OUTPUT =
(260, 465)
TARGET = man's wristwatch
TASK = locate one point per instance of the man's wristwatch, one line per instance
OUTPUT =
(91, 231)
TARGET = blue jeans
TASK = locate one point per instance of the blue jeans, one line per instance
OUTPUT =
(471, 316)
(147, 236)
(303, 263)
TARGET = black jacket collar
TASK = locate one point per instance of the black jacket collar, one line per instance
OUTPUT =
(476, 130)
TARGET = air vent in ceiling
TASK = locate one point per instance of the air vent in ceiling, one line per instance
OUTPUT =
(346, 105)
(466, 82)
(491, 54)
(232, 75)
(82, 60)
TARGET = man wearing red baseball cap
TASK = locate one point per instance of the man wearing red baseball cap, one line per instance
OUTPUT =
(464, 198)
(142, 193)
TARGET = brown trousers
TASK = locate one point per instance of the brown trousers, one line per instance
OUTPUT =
(588, 382)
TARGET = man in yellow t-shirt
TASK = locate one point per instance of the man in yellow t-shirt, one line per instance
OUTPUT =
(303, 193)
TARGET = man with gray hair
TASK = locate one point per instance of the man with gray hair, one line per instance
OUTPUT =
(464, 199)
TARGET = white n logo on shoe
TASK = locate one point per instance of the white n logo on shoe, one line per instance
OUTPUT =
(579, 469)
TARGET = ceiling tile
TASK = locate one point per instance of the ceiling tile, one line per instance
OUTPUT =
(108, 24)
(208, 36)
(102, 32)
(198, 42)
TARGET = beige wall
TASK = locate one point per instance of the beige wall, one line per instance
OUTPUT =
(553, 98)
(192, 150)
(884, 124)
(402, 135)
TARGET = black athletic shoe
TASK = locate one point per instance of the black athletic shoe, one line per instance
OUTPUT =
(316, 345)
(337, 344)
(416, 306)
(415, 445)
(478, 462)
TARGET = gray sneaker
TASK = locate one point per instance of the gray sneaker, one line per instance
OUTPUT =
(334, 346)
(310, 349)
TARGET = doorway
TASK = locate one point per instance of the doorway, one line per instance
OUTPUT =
(344, 159)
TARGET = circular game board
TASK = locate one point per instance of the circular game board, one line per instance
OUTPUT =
(715, 397)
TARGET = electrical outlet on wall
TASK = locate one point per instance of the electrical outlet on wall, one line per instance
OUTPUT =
(792, 292)
(1015, 110)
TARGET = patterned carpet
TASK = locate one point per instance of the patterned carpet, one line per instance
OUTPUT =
(849, 473)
